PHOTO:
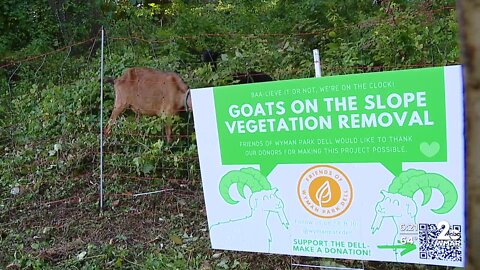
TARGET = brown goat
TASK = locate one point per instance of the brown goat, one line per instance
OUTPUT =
(150, 92)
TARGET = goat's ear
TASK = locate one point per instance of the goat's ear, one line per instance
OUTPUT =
(253, 202)
(383, 192)
(274, 190)
(412, 209)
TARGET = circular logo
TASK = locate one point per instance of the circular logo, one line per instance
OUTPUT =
(325, 191)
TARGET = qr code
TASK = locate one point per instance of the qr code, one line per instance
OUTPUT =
(433, 248)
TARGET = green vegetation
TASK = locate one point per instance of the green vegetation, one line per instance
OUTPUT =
(49, 115)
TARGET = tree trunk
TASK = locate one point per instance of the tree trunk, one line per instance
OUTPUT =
(469, 18)
(57, 8)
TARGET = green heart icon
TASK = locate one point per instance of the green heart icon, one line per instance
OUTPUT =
(429, 150)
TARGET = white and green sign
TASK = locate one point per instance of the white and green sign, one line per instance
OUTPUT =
(366, 166)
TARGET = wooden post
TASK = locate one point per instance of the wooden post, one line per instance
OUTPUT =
(469, 19)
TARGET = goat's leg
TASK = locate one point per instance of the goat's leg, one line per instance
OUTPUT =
(283, 218)
(113, 118)
(168, 132)
(377, 222)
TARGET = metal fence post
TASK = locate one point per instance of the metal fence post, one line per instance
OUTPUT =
(316, 63)
(101, 120)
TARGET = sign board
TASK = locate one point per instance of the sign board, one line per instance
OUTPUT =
(366, 166)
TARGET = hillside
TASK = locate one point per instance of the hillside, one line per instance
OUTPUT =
(50, 52)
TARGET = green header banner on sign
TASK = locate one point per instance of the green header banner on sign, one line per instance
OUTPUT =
(376, 117)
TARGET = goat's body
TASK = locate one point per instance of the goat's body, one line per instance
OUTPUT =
(253, 233)
(252, 77)
(150, 92)
(250, 233)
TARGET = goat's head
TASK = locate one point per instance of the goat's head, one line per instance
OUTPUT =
(393, 206)
(266, 200)
(396, 205)
(398, 200)
(263, 199)
(187, 101)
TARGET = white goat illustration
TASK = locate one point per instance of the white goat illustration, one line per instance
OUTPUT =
(398, 204)
(252, 230)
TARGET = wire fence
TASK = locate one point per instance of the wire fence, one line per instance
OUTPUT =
(136, 159)
(42, 58)
(113, 145)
